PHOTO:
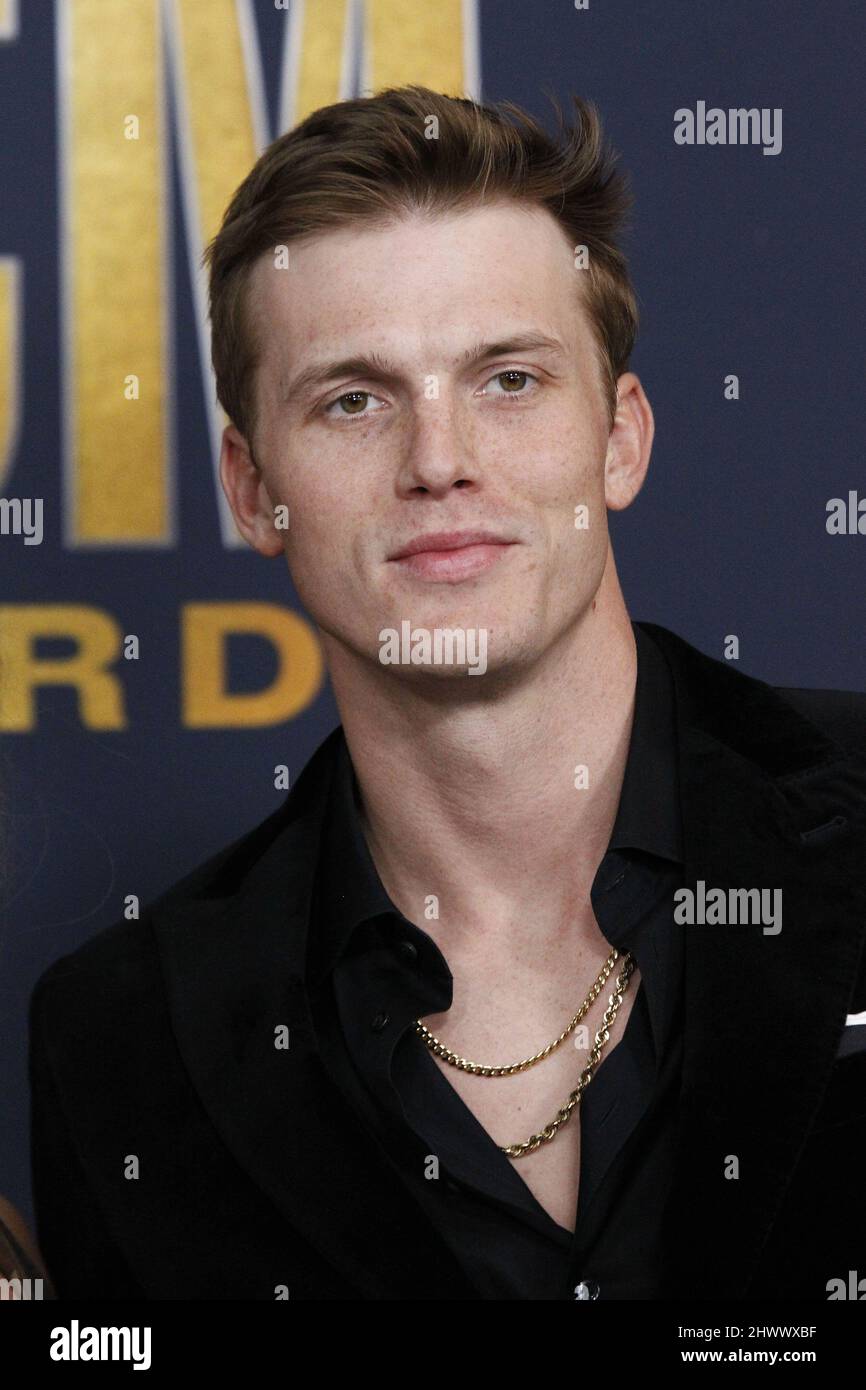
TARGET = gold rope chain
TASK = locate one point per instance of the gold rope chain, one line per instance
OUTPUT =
(477, 1070)
(551, 1130)
(602, 1037)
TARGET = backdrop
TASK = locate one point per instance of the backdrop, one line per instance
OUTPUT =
(153, 672)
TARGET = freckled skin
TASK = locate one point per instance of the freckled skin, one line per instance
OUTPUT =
(477, 456)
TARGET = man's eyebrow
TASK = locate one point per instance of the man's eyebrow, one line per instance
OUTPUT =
(371, 364)
(375, 364)
(507, 347)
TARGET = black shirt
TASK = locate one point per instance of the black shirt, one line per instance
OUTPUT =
(373, 973)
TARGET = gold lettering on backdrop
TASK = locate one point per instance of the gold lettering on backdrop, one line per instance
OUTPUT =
(97, 637)
(435, 45)
(222, 127)
(8, 19)
(205, 630)
(117, 312)
(10, 361)
(115, 296)
(322, 52)
(10, 312)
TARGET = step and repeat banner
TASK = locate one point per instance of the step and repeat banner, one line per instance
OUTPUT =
(155, 673)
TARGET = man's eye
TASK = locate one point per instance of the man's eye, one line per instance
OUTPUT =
(513, 382)
(355, 402)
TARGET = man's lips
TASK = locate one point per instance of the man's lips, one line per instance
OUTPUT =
(449, 556)
(439, 541)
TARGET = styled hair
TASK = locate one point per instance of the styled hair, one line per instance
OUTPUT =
(371, 160)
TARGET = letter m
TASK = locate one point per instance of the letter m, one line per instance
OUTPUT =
(744, 126)
(119, 63)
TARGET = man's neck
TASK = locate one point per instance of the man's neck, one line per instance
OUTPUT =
(475, 803)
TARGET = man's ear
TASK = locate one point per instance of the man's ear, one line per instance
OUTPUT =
(629, 444)
(247, 495)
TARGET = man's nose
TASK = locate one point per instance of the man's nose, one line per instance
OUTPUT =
(438, 453)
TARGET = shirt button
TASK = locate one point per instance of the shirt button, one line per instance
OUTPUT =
(380, 1021)
(408, 949)
(587, 1289)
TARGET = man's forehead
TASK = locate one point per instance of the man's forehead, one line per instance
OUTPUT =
(414, 230)
(482, 255)
(411, 341)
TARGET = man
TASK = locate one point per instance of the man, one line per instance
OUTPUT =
(543, 982)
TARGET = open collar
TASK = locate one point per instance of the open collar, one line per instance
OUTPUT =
(756, 778)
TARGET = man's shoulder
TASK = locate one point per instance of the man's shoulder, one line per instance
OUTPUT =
(123, 957)
(839, 713)
(121, 949)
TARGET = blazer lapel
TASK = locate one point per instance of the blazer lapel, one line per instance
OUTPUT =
(233, 958)
(768, 802)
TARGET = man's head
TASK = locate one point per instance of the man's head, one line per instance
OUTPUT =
(422, 324)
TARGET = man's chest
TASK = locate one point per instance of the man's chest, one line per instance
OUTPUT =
(513, 1109)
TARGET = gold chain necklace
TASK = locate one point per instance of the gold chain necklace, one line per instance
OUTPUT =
(564, 1114)
(478, 1070)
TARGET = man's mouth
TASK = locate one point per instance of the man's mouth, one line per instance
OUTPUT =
(451, 555)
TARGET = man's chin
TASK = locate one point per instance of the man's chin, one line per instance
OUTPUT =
(454, 657)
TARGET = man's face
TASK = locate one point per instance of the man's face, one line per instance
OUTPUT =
(472, 402)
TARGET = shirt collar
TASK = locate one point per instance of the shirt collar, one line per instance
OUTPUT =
(648, 816)
(348, 887)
